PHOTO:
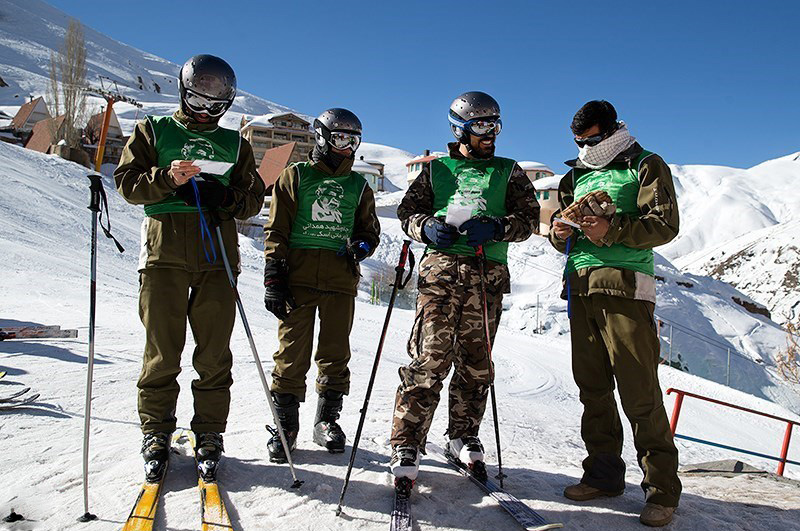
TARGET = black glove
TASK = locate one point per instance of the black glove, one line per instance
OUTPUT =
(359, 249)
(213, 194)
(439, 233)
(481, 230)
(278, 299)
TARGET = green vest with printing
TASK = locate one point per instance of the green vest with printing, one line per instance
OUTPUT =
(173, 141)
(326, 208)
(621, 182)
(479, 184)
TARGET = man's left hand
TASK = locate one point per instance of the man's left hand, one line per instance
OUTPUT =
(481, 230)
(595, 228)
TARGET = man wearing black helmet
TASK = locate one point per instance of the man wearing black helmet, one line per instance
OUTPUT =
(181, 275)
(460, 202)
(322, 223)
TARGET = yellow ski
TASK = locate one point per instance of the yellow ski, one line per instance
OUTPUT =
(214, 516)
(143, 513)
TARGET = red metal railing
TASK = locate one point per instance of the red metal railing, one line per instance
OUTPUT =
(782, 460)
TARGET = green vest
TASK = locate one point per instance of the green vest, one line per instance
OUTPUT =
(481, 184)
(622, 184)
(326, 208)
(173, 141)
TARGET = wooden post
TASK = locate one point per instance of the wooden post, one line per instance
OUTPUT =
(101, 145)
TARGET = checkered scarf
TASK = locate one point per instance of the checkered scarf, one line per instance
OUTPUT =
(599, 156)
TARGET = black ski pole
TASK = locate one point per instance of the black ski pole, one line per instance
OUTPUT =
(488, 345)
(399, 284)
(296, 482)
(97, 201)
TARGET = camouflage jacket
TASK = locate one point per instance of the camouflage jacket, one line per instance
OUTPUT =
(523, 209)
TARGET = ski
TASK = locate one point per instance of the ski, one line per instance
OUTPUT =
(213, 514)
(15, 395)
(3, 374)
(37, 332)
(520, 511)
(401, 513)
(143, 514)
(12, 405)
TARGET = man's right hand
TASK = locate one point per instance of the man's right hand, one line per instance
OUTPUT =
(439, 233)
(562, 230)
(278, 299)
(182, 170)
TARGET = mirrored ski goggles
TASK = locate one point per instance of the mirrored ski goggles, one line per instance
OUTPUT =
(484, 127)
(341, 140)
(203, 104)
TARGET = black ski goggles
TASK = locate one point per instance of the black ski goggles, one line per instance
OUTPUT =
(593, 140)
(478, 126)
(204, 104)
(342, 140)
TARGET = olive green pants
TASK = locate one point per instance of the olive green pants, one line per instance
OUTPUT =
(166, 298)
(614, 340)
(296, 337)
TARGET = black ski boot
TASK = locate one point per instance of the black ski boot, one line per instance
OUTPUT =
(208, 452)
(288, 408)
(155, 450)
(327, 433)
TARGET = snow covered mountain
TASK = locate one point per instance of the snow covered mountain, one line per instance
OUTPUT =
(31, 29)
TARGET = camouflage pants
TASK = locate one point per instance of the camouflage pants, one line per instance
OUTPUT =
(448, 331)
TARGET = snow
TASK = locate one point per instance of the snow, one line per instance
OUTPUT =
(533, 165)
(394, 161)
(548, 183)
(45, 242)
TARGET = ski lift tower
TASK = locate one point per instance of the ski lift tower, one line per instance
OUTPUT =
(111, 97)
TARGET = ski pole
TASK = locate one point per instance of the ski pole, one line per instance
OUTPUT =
(97, 201)
(399, 284)
(296, 483)
(488, 345)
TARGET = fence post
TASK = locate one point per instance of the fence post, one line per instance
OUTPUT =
(676, 410)
(785, 448)
(670, 348)
(537, 313)
(728, 371)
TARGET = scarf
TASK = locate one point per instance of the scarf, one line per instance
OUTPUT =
(597, 157)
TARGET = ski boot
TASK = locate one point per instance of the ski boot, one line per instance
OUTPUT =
(288, 409)
(469, 451)
(155, 450)
(404, 463)
(208, 453)
(327, 433)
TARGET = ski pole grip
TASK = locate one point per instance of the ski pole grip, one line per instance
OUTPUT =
(95, 189)
(404, 254)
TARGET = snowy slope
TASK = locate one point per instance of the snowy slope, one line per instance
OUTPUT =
(45, 281)
(394, 160)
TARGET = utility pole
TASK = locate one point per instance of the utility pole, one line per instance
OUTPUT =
(111, 97)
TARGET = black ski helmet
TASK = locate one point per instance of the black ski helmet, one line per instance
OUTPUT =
(469, 106)
(336, 119)
(209, 78)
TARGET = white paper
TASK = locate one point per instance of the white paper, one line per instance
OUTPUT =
(213, 167)
(570, 223)
(457, 215)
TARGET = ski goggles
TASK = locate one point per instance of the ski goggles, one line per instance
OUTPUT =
(204, 104)
(479, 126)
(341, 140)
(590, 141)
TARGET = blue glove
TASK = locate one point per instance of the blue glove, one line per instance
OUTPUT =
(439, 233)
(359, 249)
(481, 230)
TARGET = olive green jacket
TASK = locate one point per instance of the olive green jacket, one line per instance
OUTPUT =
(319, 269)
(174, 240)
(657, 224)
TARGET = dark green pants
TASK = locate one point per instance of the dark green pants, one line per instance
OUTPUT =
(615, 339)
(166, 298)
(296, 337)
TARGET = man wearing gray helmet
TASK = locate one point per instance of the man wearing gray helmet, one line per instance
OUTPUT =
(458, 203)
(181, 275)
(322, 223)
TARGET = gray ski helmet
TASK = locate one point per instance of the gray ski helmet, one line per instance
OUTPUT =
(469, 106)
(207, 85)
(336, 119)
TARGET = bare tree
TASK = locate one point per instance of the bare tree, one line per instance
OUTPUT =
(66, 88)
(789, 360)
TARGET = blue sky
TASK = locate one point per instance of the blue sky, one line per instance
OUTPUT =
(698, 82)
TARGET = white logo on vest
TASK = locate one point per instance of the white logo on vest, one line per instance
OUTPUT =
(329, 199)
(198, 148)
(471, 185)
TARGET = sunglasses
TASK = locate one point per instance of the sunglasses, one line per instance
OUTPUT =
(203, 104)
(341, 140)
(590, 140)
(483, 127)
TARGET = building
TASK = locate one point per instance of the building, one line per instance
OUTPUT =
(273, 162)
(535, 170)
(274, 130)
(547, 195)
(415, 165)
(372, 170)
(115, 139)
(30, 114)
